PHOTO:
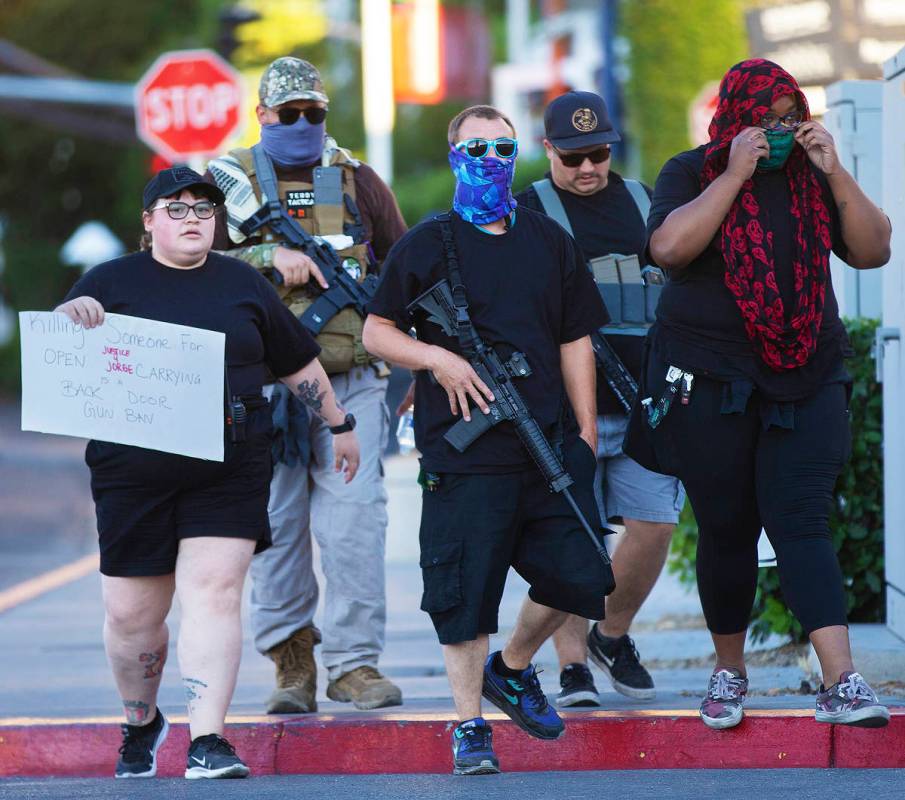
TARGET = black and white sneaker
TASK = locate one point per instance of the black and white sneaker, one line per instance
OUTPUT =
(578, 687)
(618, 658)
(138, 752)
(211, 756)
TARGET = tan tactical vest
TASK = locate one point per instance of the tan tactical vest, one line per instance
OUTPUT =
(340, 340)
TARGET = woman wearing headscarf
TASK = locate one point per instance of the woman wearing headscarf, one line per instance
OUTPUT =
(746, 395)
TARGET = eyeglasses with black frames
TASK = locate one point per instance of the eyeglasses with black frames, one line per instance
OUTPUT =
(176, 209)
(789, 122)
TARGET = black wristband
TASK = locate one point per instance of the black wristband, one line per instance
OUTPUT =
(347, 425)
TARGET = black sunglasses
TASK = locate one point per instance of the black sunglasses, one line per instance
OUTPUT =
(597, 156)
(314, 114)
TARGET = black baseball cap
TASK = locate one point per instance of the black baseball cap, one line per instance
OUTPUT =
(170, 181)
(578, 119)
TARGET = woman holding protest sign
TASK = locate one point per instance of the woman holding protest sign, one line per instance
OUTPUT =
(746, 395)
(173, 524)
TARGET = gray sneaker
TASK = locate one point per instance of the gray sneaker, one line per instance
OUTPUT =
(723, 706)
(851, 701)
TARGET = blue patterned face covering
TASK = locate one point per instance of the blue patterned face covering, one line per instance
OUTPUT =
(483, 187)
(295, 145)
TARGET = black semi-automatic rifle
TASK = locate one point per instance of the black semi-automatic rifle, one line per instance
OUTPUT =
(342, 289)
(617, 377)
(437, 302)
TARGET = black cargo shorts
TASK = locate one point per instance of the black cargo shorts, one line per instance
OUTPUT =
(474, 527)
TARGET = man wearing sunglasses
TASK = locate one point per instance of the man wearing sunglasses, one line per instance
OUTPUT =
(325, 192)
(607, 215)
(487, 507)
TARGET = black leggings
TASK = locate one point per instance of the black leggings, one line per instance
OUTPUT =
(740, 478)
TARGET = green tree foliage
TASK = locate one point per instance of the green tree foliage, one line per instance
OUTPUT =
(676, 48)
(856, 519)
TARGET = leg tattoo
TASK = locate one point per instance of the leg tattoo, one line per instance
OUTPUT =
(193, 689)
(136, 711)
(153, 662)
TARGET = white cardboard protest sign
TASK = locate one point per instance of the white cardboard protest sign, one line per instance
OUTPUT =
(131, 380)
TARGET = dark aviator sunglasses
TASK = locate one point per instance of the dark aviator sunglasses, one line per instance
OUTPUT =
(314, 114)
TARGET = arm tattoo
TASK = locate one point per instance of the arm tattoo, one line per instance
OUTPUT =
(153, 662)
(310, 395)
(193, 689)
(136, 711)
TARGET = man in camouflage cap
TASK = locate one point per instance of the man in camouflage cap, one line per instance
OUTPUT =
(327, 193)
(288, 79)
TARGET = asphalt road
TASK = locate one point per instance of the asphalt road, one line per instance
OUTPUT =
(48, 516)
(771, 784)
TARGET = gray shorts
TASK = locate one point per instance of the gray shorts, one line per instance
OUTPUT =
(624, 488)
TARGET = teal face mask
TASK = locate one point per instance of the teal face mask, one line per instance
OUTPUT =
(781, 144)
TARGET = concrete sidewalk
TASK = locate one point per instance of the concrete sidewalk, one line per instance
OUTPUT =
(57, 690)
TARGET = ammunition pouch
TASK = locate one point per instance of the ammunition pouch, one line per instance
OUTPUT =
(630, 293)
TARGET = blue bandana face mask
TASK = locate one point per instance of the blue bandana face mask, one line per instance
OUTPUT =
(781, 144)
(483, 187)
(295, 145)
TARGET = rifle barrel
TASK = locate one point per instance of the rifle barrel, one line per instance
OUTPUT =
(600, 548)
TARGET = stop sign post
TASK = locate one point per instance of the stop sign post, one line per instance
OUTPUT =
(188, 104)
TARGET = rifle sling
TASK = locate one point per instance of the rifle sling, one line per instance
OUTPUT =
(277, 218)
(469, 341)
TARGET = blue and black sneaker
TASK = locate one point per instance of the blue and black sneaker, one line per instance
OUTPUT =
(472, 746)
(523, 701)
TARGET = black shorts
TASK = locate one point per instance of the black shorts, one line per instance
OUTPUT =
(147, 501)
(474, 527)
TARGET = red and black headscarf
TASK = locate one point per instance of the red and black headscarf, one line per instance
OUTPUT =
(747, 92)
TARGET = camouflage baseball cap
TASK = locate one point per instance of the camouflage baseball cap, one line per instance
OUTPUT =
(288, 79)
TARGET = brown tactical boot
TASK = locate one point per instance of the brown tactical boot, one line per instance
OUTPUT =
(296, 674)
(366, 688)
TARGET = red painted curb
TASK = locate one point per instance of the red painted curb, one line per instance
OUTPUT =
(392, 744)
(860, 748)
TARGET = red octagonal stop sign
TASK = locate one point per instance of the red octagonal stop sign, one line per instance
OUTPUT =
(188, 103)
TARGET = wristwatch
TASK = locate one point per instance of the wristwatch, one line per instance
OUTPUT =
(347, 425)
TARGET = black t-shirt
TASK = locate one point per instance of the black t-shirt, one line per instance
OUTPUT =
(528, 290)
(605, 222)
(699, 326)
(223, 294)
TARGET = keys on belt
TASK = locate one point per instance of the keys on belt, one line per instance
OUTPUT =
(678, 382)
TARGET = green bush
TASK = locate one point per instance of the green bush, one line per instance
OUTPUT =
(676, 49)
(856, 519)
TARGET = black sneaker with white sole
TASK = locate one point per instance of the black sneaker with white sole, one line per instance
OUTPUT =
(211, 756)
(618, 658)
(138, 752)
(578, 687)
